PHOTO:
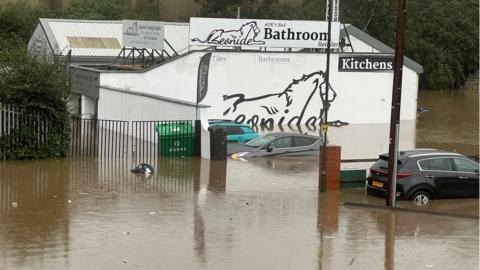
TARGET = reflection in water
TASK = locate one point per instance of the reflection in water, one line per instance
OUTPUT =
(216, 184)
(218, 176)
(452, 123)
(327, 223)
(33, 199)
(390, 242)
(196, 214)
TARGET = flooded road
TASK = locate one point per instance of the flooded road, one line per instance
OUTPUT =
(196, 214)
(452, 122)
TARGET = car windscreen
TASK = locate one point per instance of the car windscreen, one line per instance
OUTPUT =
(261, 141)
(382, 163)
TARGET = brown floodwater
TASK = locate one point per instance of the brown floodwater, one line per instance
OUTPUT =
(452, 122)
(198, 214)
(90, 213)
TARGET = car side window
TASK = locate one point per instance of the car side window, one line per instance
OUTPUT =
(463, 165)
(424, 165)
(234, 130)
(436, 164)
(302, 141)
(247, 130)
(282, 142)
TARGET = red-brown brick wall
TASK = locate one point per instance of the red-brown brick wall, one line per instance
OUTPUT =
(332, 166)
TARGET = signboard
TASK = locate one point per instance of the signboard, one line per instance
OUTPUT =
(202, 78)
(84, 82)
(335, 12)
(365, 63)
(262, 33)
(143, 34)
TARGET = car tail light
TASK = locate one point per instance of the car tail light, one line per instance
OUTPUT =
(385, 174)
(373, 171)
(403, 175)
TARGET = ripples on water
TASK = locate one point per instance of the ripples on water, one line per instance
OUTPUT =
(262, 214)
(192, 214)
(453, 122)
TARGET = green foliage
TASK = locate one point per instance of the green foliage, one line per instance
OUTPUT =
(110, 10)
(38, 86)
(97, 10)
(18, 22)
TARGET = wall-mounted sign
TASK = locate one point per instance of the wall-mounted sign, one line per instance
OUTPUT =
(143, 34)
(335, 11)
(84, 82)
(262, 33)
(362, 63)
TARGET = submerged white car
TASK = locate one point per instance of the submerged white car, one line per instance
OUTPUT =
(278, 144)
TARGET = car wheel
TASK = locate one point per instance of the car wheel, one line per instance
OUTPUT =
(421, 198)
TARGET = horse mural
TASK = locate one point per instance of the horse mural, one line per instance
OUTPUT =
(288, 107)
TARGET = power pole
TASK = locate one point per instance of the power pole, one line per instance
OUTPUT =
(396, 102)
(323, 174)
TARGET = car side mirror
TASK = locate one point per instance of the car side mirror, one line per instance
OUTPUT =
(269, 148)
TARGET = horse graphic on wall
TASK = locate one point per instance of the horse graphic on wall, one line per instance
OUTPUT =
(279, 105)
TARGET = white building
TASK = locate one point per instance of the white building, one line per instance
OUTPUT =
(253, 86)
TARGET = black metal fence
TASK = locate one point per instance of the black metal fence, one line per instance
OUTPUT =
(99, 138)
(141, 140)
(19, 129)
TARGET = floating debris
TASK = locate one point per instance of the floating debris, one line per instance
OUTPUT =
(69, 201)
(152, 213)
(330, 237)
(143, 169)
(14, 204)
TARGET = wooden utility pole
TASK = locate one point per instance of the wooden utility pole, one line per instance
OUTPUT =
(396, 102)
(323, 173)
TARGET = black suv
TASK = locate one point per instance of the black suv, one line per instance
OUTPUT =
(426, 174)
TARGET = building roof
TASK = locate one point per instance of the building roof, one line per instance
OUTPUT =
(91, 38)
(377, 44)
(100, 41)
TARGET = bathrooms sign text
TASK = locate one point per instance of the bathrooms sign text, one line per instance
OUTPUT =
(262, 33)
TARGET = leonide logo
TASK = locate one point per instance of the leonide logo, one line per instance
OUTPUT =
(245, 35)
(263, 33)
(132, 30)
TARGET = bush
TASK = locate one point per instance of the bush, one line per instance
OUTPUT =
(37, 85)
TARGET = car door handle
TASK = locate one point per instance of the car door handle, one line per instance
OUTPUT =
(429, 176)
(463, 177)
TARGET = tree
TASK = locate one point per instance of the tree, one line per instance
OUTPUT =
(38, 86)
(18, 22)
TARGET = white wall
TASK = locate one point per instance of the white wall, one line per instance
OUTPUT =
(362, 97)
(88, 107)
(39, 43)
(176, 79)
(118, 105)
(360, 46)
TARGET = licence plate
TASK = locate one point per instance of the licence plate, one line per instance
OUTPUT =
(377, 184)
